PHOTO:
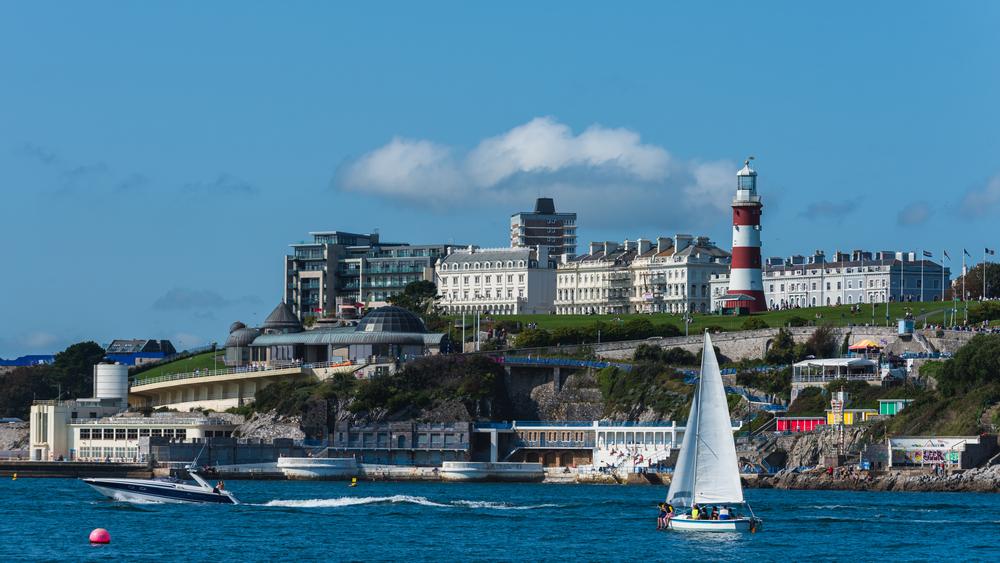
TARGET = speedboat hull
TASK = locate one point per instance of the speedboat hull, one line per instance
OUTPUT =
(144, 490)
(685, 523)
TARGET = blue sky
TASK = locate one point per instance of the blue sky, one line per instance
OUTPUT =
(157, 158)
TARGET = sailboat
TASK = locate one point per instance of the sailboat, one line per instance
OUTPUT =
(707, 472)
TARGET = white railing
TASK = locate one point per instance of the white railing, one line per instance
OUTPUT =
(269, 366)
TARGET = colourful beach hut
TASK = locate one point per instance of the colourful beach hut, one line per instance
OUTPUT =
(798, 423)
(852, 416)
(891, 407)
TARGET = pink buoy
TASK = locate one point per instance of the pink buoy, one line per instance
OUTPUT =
(100, 535)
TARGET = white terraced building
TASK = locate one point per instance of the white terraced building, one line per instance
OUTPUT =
(852, 278)
(668, 275)
(673, 276)
(598, 282)
(498, 281)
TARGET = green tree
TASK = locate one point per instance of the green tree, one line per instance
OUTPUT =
(822, 343)
(534, 338)
(974, 282)
(782, 350)
(74, 372)
(417, 296)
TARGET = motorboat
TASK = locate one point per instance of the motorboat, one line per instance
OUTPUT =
(163, 490)
(707, 473)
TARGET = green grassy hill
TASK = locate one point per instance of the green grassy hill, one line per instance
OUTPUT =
(208, 360)
(836, 316)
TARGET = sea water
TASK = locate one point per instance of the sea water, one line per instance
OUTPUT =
(50, 519)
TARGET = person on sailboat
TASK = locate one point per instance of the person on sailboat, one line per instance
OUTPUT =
(661, 520)
(724, 513)
(694, 511)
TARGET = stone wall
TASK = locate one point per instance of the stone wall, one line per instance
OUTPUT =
(750, 344)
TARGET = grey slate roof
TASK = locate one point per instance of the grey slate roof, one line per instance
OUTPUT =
(347, 335)
(391, 319)
(282, 319)
(504, 255)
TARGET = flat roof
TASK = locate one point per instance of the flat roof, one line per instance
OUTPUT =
(837, 362)
(347, 336)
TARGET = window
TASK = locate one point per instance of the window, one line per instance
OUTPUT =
(85, 433)
(181, 433)
(109, 433)
(144, 432)
(520, 278)
(156, 432)
(133, 433)
(119, 433)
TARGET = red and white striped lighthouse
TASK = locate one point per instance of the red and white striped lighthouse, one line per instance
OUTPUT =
(746, 284)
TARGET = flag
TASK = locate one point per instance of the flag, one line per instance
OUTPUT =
(966, 253)
(928, 254)
(945, 252)
(990, 252)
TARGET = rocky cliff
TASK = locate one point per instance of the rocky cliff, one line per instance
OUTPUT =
(270, 425)
(982, 480)
(14, 436)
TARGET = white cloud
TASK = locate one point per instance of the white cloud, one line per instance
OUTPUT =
(607, 174)
(981, 201)
(916, 213)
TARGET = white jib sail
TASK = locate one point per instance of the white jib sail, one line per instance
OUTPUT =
(707, 470)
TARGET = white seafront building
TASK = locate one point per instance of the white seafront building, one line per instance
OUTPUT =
(498, 281)
(858, 277)
(598, 282)
(668, 275)
(675, 278)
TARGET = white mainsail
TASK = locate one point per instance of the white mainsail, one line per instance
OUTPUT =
(707, 471)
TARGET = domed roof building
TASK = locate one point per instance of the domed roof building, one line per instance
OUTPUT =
(238, 351)
(382, 340)
(391, 319)
(282, 321)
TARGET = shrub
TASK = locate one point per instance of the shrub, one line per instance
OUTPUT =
(754, 323)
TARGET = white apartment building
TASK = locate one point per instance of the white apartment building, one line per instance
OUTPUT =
(598, 282)
(858, 277)
(499, 281)
(673, 276)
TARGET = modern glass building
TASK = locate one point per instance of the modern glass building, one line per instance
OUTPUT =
(337, 271)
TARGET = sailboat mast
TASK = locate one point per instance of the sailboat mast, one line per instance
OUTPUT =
(697, 431)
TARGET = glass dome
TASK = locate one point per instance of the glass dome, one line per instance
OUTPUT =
(391, 319)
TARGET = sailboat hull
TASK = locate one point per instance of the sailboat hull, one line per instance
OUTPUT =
(684, 523)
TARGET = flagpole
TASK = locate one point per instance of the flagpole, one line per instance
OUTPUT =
(902, 258)
(922, 276)
(983, 298)
(964, 275)
(942, 276)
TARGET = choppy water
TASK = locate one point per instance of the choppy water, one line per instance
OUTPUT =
(50, 519)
